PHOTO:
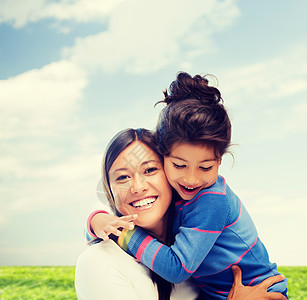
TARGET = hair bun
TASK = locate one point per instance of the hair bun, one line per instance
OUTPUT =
(188, 87)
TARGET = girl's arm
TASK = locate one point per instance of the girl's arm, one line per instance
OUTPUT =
(201, 225)
(101, 224)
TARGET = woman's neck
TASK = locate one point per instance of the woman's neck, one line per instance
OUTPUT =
(159, 230)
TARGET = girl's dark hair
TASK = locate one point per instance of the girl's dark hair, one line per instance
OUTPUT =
(117, 145)
(194, 114)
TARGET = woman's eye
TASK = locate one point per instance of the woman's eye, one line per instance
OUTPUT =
(122, 177)
(150, 170)
(206, 169)
(178, 166)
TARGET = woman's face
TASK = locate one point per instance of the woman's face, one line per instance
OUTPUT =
(139, 185)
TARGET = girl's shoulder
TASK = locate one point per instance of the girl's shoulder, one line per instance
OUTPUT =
(218, 188)
(217, 195)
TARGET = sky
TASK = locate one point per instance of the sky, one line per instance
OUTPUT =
(75, 72)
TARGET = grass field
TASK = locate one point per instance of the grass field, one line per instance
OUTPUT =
(37, 283)
(49, 283)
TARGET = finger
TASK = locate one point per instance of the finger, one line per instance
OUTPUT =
(103, 235)
(129, 218)
(112, 230)
(271, 280)
(237, 275)
(276, 296)
(230, 295)
(123, 224)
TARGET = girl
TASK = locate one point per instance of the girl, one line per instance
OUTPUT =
(212, 227)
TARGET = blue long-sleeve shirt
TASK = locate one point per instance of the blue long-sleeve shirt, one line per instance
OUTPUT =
(213, 232)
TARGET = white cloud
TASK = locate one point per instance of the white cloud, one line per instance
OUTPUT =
(40, 173)
(73, 170)
(42, 177)
(145, 36)
(38, 102)
(279, 219)
(26, 11)
(71, 182)
(38, 111)
(268, 97)
(269, 80)
(296, 120)
(142, 36)
(21, 12)
(272, 205)
(80, 10)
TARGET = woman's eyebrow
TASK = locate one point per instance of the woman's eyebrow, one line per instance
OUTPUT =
(120, 169)
(143, 163)
(149, 161)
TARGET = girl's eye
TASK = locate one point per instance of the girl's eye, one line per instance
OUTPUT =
(206, 169)
(179, 166)
(150, 170)
(122, 177)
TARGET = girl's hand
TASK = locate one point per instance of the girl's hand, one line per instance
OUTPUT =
(257, 292)
(104, 224)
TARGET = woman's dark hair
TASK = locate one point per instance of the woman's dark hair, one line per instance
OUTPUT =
(117, 145)
(194, 114)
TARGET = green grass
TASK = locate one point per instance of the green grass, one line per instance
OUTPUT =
(49, 283)
(297, 282)
(37, 283)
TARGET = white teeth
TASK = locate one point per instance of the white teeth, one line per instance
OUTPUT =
(188, 188)
(143, 202)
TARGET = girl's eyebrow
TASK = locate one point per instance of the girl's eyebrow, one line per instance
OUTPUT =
(211, 159)
(205, 160)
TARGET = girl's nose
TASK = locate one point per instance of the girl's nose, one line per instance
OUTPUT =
(191, 178)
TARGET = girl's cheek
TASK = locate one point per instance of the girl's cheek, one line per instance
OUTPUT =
(172, 182)
(172, 176)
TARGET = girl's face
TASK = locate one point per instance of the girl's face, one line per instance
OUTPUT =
(190, 168)
(139, 186)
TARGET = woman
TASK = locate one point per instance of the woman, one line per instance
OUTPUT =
(134, 179)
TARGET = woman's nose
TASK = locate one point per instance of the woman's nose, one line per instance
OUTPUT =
(139, 184)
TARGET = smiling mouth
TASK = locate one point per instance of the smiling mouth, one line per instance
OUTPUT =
(189, 190)
(143, 203)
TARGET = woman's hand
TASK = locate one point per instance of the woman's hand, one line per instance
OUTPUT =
(104, 224)
(257, 292)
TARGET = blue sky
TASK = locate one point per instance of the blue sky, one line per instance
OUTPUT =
(73, 73)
